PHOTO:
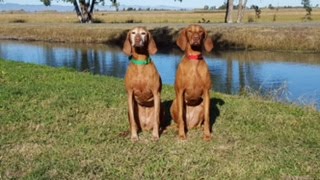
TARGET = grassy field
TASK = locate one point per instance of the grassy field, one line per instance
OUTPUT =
(267, 16)
(287, 33)
(62, 124)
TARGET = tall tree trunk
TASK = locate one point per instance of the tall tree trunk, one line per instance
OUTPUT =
(228, 17)
(76, 4)
(92, 2)
(241, 8)
(84, 10)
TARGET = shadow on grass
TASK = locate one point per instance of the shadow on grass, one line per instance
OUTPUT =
(97, 21)
(118, 39)
(165, 38)
(18, 21)
(167, 119)
(214, 113)
(222, 44)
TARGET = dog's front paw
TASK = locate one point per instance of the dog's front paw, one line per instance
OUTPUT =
(134, 138)
(155, 138)
(207, 137)
(182, 137)
(155, 134)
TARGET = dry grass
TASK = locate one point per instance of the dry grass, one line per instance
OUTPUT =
(286, 37)
(282, 15)
(112, 26)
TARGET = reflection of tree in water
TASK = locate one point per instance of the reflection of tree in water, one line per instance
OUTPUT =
(85, 61)
(1, 50)
(50, 58)
(97, 60)
(229, 79)
(242, 78)
(117, 66)
(88, 60)
(238, 73)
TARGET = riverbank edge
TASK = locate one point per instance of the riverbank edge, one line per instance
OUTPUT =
(249, 97)
(301, 37)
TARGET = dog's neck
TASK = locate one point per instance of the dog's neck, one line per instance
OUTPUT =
(195, 57)
(140, 54)
(194, 53)
(139, 57)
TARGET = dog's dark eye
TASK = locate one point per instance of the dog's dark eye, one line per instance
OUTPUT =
(143, 33)
(133, 32)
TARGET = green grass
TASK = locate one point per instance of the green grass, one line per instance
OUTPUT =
(62, 124)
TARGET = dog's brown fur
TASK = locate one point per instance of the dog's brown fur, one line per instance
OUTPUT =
(193, 83)
(143, 84)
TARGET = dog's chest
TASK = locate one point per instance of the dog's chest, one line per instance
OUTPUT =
(195, 82)
(141, 86)
(142, 80)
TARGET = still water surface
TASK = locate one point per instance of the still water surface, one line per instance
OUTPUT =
(293, 77)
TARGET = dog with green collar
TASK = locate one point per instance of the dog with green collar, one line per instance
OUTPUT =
(140, 62)
(143, 83)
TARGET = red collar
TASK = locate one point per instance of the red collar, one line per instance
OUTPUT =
(195, 57)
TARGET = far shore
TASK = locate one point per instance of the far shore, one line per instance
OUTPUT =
(273, 36)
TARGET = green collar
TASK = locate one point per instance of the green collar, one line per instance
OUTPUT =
(140, 62)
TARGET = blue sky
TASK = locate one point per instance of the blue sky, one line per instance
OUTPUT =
(184, 4)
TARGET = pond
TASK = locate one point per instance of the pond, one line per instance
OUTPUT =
(290, 77)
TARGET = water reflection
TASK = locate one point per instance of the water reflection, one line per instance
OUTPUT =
(295, 74)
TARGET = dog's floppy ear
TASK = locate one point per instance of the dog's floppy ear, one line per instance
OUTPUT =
(208, 44)
(182, 40)
(127, 45)
(152, 47)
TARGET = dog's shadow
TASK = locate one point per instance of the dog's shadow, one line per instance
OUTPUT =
(214, 113)
(214, 110)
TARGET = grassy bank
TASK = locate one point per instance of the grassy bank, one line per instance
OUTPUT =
(262, 35)
(62, 124)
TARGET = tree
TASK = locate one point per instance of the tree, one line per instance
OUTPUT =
(229, 9)
(241, 8)
(257, 10)
(228, 16)
(223, 6)
(84, 8)
(116, 5)
(270, 6)
(306, 4)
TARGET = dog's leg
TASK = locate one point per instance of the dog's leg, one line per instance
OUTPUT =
(155, 130)
(207, 135)
(133, 124)
(181, 111)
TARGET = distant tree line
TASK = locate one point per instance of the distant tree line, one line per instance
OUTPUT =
(84, 8)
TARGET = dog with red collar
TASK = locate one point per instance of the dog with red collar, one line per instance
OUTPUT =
(191, 107)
